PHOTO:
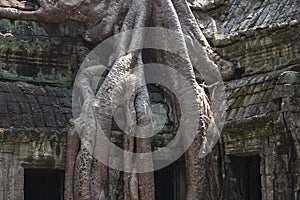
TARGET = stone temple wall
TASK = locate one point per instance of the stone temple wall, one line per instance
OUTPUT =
(32, 132)
(36, 72)
(38, 54)
(262, 39)
(264, 121)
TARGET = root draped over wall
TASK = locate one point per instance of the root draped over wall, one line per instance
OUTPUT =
(87, 178)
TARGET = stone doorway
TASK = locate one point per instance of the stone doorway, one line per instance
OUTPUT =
(43, 184)
(170, 182)
(245, 180)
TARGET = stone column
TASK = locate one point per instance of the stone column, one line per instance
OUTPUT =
(267, 170)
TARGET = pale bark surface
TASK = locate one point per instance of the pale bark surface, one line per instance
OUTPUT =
(87, 178)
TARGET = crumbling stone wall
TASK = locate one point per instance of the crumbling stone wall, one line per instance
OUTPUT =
(262, 39)
(31, 133)
(27, 149)
(37, 67)
(264, 109)
(41, 54)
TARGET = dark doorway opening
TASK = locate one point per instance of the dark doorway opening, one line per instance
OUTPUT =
(245, 180)
(170, 182)
(43, 184)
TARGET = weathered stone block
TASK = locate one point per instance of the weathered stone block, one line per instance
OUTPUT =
(289, 77)
(281, 164)
(269, 165)
(291, 104)
(285, 90)
(269, 182)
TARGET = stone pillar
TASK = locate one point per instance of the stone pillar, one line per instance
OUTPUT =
(276, 177)
(295, 170)
(1, 178)
(19, 181)
(6, 159)
(267, 171)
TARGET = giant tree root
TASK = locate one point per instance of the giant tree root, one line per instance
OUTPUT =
(86, 178)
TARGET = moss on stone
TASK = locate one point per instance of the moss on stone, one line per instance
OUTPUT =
(5, 25)
(14, 43)
(65, 80)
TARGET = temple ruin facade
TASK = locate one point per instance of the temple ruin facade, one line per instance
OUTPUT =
(258, 153)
